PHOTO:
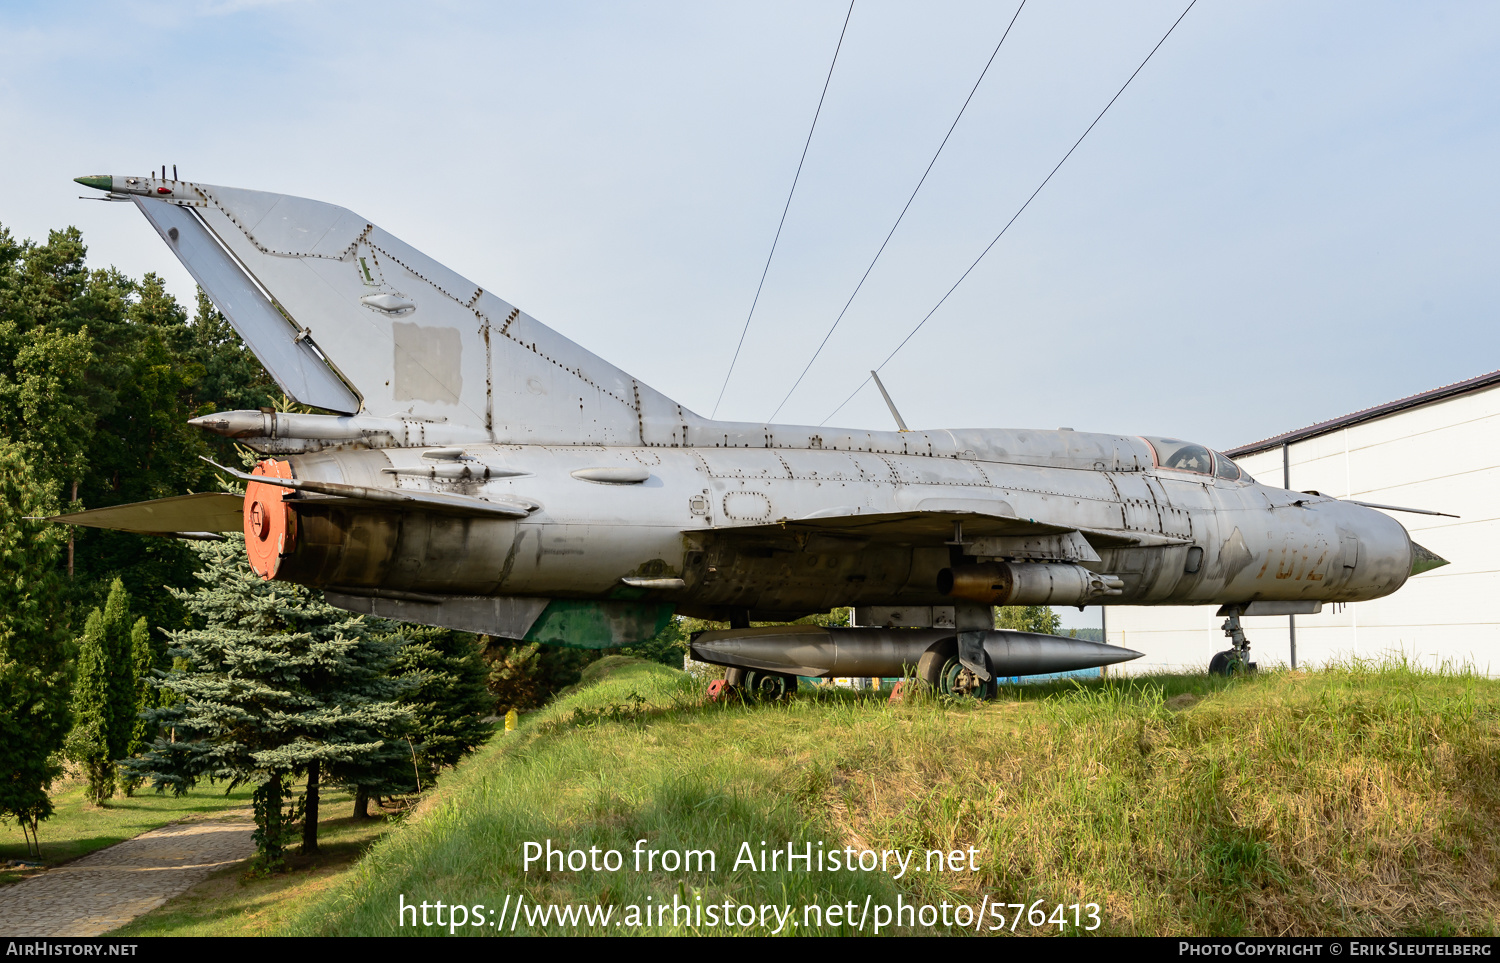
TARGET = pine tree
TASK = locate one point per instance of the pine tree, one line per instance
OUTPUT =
(33, 678)
(669, 646)
(277, 684)
(524, 675)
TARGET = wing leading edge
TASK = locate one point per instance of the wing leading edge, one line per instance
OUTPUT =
(192, 514)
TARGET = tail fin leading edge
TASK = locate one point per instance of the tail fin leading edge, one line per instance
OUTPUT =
(291, 360)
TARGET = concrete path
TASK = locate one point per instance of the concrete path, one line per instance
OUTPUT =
(113, 886)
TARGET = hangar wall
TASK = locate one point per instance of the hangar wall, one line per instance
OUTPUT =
(1442, 454)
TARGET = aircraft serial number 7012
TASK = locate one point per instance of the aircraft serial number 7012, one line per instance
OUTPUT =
(482, 472)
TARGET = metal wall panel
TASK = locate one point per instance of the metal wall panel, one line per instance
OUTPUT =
(1443, 456)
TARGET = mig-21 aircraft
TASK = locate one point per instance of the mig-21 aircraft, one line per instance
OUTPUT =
(481, 472)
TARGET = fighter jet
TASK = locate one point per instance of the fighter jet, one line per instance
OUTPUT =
(477, 470)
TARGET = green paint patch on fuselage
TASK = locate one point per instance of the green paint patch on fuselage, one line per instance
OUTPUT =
(599, 625)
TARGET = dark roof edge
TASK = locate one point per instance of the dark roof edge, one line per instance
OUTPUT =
(1368, 414)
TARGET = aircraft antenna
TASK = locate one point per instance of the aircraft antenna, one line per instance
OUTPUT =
(900, 425)
(899, 217)
(782, 223)
(1013, 217)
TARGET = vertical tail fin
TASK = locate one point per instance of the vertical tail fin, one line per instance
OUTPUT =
(350, 318)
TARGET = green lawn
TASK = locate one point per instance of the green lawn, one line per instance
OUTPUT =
(78, 828)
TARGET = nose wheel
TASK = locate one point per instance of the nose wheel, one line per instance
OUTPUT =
(1235, 660)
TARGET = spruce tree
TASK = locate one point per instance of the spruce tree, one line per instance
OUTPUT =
(448, 704)
(450, 700)
(277, 684)
(33, 678)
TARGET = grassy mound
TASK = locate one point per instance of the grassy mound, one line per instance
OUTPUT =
(601, 669)
(1358, 800)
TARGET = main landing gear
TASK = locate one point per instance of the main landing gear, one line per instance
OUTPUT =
(968, 671)
(945, 673)
(755, 684)
(1236, 660)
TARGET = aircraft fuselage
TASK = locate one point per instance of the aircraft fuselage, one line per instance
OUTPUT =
(709, 517)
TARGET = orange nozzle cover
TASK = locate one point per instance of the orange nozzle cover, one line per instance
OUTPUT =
(270, 525)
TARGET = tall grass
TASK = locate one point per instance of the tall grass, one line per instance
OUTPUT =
(1361, 799)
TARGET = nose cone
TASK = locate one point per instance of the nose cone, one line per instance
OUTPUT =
(1425, 559)
(99, 182)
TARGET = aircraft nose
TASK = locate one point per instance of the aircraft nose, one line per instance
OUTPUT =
(1425, 559)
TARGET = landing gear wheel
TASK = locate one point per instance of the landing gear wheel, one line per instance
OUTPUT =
(1235, 661)
(930, 665)
(939, 668)
(957, 679)
(769, 686)
(1228, 663)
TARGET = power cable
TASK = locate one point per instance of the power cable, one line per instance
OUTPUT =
(892, 231)
(1012, 220)
(782, 223)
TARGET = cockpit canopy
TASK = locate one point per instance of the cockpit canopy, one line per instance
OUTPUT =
(1174, 454)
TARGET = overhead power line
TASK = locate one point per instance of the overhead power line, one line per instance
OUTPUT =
(892, 231)
(1013, 217)
(782, 223)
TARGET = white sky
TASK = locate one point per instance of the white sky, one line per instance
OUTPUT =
(1288, 216)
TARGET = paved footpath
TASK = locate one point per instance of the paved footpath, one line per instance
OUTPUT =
(113, 886)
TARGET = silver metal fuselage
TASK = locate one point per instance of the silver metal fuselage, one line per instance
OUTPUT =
(1183, 537)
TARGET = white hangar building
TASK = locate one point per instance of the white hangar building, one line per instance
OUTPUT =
(1437, 450)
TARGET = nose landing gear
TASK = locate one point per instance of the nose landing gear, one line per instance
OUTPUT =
(1236, 660)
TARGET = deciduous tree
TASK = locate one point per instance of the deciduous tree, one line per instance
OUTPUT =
(1028, 618)
(33, 679)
